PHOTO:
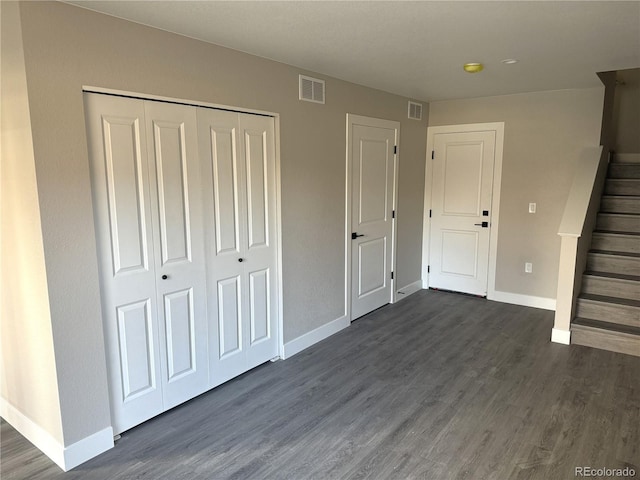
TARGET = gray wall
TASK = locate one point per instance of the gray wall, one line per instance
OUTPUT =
(27, 364)
(544, 135)
(626, 112)
(67, 47)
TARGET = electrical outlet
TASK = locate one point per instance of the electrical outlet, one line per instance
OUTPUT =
(528, 267)
(532, 208)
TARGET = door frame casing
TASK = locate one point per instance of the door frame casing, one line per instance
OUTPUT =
(278, 193)
(498, 128)
(352, 120)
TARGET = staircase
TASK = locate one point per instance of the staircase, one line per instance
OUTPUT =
(608, 308)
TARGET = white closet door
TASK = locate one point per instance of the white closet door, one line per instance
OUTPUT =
(222, 170)
(239, 167)
(122, 207)
(260, 280)
(179, 242)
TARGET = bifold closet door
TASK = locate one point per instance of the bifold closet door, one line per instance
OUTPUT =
(147, 204)
(238, 151)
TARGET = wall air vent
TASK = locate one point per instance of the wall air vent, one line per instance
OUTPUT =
(311, 89)
(415, 110)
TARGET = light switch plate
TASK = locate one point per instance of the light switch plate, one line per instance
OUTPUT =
(532, 208)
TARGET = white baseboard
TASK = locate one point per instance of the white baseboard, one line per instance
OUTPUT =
(65, 457)
(404, 292)
(87, 448)
(524, 300)
(314, 336)
(561, 336)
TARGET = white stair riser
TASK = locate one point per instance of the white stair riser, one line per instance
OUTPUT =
(608, 312)
(611, 287)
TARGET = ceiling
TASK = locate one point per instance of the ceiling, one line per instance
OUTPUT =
(415, 48)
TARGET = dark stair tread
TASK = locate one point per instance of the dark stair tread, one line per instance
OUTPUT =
(617, 276)
(616, 232)
(610, 300)
(610, 327)
(615, 253)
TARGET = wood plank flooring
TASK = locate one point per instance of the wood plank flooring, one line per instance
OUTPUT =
(438, 386)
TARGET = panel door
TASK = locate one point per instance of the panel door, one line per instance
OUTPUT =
(239, 165)
(124, 231)
(179, 244)
(461, 202)
(259, 243)
(371, 218)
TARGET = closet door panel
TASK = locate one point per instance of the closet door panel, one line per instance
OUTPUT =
(259, 186)
(179, 237)
(222, 171)
(122, 210)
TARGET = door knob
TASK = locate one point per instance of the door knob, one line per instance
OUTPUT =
(164, 277)
(241, 260)
(355, 235)
(483, 224)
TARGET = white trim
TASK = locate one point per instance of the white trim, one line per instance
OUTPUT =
(279, 279)
(524, 300)
(370, 122)
(314, 336)
(498, 128)
(410, 289)
(561, 336)
(87, 448)
(65, 457)
(184, 101)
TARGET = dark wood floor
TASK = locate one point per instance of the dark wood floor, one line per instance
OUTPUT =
(438, 386)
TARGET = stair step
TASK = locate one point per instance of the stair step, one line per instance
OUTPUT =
(622, 186)
(626, 158)
(609, 309)
(624, 170)
(618, 222)
(611, 285)
(620, 204)
(616, 242)
(605, 336)
(621, 263)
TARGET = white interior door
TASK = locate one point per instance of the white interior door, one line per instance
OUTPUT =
(146, 186)
(461, 211)
(122, 205)
(372, 201)
(239, 163)
(174, 169)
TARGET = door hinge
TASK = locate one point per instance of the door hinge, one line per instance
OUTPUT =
(393, 214)
(428, 268)
(395, 149)
(391, 275)
(433, 154)
(429, 213)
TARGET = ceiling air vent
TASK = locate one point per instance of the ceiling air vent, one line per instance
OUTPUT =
(311, 89)
(415, 111)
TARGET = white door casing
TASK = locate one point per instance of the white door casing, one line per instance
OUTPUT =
(371, 191)
(240, 204)
(462, 195)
